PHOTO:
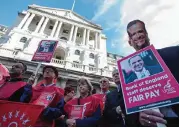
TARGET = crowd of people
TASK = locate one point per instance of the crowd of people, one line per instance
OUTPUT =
(90, 109)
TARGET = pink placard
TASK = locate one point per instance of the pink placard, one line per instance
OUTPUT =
(146, 81)
(45, 51)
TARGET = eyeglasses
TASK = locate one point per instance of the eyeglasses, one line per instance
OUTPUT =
(48, 70)
(103, 81)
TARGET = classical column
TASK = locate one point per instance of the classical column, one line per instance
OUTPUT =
(29, 21)
(96, 40)
(24, 20)
(75, 34)
(58, 29)
(84, 37)
(71, 33)
(87, 38)
(86, 61)
(44, 25)
(98, 61)
(54, 28)
(39, 24)
(99, 40)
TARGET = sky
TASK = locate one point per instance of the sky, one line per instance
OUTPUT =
(161, 18)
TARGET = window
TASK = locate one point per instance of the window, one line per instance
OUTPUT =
(58, 57)
(108, 54)
(50, 27)
(91, 56)
(77, 52)
(79, 35)
(15, 52)
(91, 65)
(23, 40)
(37, 23)
(90, 38)
(76, 62)
(63, 38)
(65, 31)
(106, 67)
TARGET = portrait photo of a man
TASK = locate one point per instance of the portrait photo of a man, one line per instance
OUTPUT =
(141, 67)
(46, 46)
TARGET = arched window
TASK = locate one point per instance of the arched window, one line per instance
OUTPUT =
(91, 56)
(63, 38)
(77, 52)
(23, 40)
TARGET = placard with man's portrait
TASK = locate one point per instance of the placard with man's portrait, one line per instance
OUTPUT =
(45, 51)
(146, 81)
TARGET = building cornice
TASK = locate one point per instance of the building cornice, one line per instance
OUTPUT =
(70, 11)
(64, 18)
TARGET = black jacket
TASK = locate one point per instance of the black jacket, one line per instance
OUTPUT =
(112, 119)
(170, 55)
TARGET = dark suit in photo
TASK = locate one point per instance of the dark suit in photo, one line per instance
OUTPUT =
(152, 70)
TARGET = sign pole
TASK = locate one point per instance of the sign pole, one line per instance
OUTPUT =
(36, 73)
(159, 124)
(44, 53)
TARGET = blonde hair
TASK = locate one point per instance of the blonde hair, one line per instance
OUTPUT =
(90, 86)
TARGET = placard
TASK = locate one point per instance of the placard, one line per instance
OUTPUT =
(45, 51)
(146, 81)
(77, 112)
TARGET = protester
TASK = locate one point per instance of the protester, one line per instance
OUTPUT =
(138, 39)
(94, 91)
(12, 90)
(69, 93)
(114, 111)
(83, 111)
(104, 85)
(46, 94)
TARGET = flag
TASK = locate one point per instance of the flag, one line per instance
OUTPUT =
(4, 73)
(14, 114)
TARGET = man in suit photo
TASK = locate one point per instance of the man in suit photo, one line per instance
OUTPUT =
(140, 70)
(46, 46)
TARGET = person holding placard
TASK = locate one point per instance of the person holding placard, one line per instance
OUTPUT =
(138, 39)
(84, 111)
(69, 93)
(46, 94)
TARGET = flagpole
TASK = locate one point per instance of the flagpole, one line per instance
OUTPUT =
(73, 5)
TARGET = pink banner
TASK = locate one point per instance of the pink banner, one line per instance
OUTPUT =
(146, 81)
(45, 51)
